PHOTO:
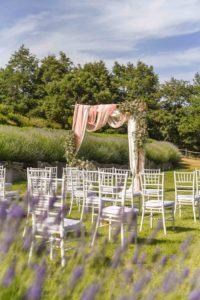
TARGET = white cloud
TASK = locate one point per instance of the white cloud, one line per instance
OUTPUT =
(86, 29)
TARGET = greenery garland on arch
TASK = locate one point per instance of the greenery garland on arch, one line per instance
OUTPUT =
(136, 108)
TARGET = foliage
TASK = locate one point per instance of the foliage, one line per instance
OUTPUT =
(48, 145)
(70, 154)
(18, 81)
(31, 145)
(49, 88)
(162, 153)
(137, 109)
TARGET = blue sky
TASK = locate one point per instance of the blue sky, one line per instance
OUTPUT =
(162, 33)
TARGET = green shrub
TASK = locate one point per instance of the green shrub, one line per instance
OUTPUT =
(162, 153)
(3, 119)
(31, 145)
(36, 144)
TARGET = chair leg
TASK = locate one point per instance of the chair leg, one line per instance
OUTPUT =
(151, 219)
(31, 251)
(83, 209)
(163, 219)
(199, 208)
(95, 231)
(62, 250)
(51, 248)
(179, 210)
(194, 212)
(110, 230)
(175, 208)
(173, 218)
(122, 234)
(71, 205)
(92, 214)
(142, 219)
(24, 231)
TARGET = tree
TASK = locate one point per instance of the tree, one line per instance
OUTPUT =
(89, 84)
(175, 97)
(18, 81)
(135, 82)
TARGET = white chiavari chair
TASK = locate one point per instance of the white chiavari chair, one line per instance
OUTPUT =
(185, 191)
(153, 202)
(115, 213)
(47, 210)
(91, 193)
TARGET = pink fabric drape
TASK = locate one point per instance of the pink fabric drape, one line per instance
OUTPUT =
(79, 123)
(98, 116)
(92, 118)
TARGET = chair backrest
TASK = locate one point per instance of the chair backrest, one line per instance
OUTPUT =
(152, 186)
(197, 173)
(112, 186)
(53, 170)
(108, 170)
(152, 171)
(67, 170)
(184, 183)
(43, 203)
(74, 180)
(91, 183)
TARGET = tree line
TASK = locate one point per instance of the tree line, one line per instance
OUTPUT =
(48, 88)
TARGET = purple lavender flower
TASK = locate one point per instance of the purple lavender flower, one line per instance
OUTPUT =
(184, 274)
(170, 281)
(138, 286)
(185, 244)
(163, 261)
(91, 292)
(3, 210)
(28, 239)
(194, 295)
(8, 239)
(16, 212)
(77, 274)
(128, 274)
(10, 274)
(35, 291)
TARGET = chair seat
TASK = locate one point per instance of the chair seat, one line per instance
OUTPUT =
(69, 225)
(79, 193)
(186, 198)
(115, 210)
(92, 198)
(158, 204)
(152, 192)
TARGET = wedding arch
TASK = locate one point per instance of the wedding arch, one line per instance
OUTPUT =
(91, 118)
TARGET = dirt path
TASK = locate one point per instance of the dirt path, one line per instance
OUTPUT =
(190, 163)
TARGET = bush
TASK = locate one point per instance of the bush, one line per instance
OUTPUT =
(37, 144)
(113, 149)
(162, 153)
(31, 145)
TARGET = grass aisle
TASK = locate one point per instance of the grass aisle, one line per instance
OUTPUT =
(160, 268)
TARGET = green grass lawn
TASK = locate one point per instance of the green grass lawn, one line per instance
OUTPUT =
(160, 267)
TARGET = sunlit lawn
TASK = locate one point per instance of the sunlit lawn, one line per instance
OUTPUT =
(101, 264)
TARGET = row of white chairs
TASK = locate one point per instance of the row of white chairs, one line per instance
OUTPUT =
(104, 191)
(187, 192)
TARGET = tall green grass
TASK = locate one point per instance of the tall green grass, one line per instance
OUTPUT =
(36, 144)
(114, 149)
(31, 144)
